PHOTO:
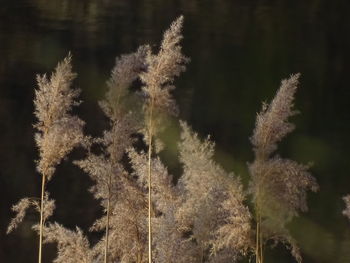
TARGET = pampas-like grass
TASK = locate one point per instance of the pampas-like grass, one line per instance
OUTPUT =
(58, 132)
(106, 169)
(278, 185)
(205, 216)
(158, 79)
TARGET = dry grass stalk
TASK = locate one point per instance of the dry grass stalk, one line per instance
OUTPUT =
(58, 131)
(278, 185)
(157, 79)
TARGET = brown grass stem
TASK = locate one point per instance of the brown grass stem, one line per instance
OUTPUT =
(41, 218)
(150, 132)
(108, 215)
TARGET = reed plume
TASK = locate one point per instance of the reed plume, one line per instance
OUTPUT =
(105, 169)
(58, 132)
(164, 203)
(278, 185)
(212, 208)
(72, 246)
(162, 68)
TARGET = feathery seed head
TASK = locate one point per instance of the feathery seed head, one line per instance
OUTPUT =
(272, 122)
(279, 186)
(58, 131)
(212, 208)
(126, 70)
(162, 68)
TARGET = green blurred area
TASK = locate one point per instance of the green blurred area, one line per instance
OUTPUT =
(239, 50)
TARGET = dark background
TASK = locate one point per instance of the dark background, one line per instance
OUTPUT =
(239, 50)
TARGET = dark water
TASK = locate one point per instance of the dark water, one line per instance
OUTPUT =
(240, 50)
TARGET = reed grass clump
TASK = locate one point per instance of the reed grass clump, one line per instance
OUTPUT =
(206, 215)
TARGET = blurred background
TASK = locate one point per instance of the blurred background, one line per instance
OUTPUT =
(239, 50)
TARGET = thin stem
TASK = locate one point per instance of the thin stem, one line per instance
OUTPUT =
(150, 182)
(259, 237)
(257, 254)
(261, 241)
(259, 257)
(108, 215)
(41, 217)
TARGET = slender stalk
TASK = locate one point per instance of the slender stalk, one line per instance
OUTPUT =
(108, 215)
(150, 132)
(257, 254)
(259, 238)
(261, 241)
(259, 257)
(41, 217)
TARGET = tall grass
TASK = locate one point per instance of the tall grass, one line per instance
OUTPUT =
(206, 215)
